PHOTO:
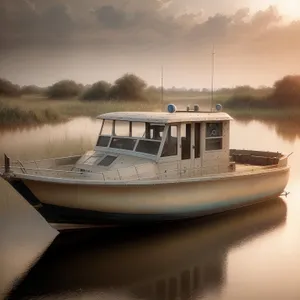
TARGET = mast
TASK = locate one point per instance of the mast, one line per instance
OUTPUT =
(212, 77)
(162, 88)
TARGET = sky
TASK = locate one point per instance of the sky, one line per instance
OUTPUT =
(256, 42)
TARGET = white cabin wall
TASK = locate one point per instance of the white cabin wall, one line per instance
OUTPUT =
(169, 170)
(226, 135)
(216, 161)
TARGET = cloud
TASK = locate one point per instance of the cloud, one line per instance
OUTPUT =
(238, 29)
(56, 21)
(45, 22)
(18, 14)
(22, 23)
(138, 25)
(215, 27)
(241, 14)
(264, 18)
(112, 18)
(146, 31)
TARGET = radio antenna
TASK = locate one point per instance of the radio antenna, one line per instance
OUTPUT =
(212, 77)
(162, 88)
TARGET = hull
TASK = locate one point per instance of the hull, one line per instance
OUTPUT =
(150, 202)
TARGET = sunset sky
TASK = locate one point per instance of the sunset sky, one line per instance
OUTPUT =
(256, 41)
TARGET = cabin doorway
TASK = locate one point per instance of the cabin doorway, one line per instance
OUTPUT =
(197, 148)
(190, 148)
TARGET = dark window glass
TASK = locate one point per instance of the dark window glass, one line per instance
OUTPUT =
(214, 129)
(185, 141)
(107, 160)
(122, 143)
(170, 146)
(103, 141)
(149, 147)
(214, 144)
(197, 140)
(154, 131)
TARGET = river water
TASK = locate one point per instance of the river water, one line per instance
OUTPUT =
(251, 253)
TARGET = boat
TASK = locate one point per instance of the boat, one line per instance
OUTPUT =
(151, 167)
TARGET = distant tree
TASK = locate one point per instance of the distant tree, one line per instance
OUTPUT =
(243, 90)
(153, 93)
(8, 89)
(224, 91)
(128, 87)
(153, 89)
(114, 92)
(32, 90)
(287, 91)
(64, 89)
(98, 91)
(264, 87)
(247, 102)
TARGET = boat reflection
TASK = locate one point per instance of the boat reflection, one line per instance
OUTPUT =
(177, 261)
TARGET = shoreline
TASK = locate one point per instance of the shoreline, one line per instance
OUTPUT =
(38, 111)
(28, 112)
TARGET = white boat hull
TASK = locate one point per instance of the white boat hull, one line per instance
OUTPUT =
(157, 200)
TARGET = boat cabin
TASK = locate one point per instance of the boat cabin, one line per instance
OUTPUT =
(191, 142)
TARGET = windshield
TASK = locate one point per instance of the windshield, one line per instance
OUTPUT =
(133, 136)
(148, 147)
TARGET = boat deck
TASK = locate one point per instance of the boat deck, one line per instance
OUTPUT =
(241, 161)
(248, 167)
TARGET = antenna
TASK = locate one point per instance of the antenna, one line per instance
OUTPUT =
(212, 77)
(162, 88)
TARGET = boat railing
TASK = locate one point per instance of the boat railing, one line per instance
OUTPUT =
(18, 168)
(56, 160)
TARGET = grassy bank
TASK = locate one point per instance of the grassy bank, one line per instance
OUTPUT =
(40, 110)
(16, 115)
(271, 114)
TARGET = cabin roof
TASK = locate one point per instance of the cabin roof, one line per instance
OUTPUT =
(165, 117)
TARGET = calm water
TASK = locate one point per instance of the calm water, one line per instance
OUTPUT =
(247, 254)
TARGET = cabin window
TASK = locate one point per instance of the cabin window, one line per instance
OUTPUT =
(214, 139)
(154, 131)
(103, 141)
(123, 143)
(171, 143)
(214, 130)
(121, 128)
(186, 141)
(149, 147)
(137, 129)
(214, 144)
(197, 139)
(107, 127)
